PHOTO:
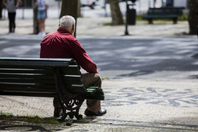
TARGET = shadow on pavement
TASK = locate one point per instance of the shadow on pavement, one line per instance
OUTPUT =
(138, 73)
(23, 128)
(21, 123)
(154, 125)
(195, 56)
(29, 124)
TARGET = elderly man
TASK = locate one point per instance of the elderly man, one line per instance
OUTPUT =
(62, 44)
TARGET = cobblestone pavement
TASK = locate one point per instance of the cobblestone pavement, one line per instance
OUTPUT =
(133, 104)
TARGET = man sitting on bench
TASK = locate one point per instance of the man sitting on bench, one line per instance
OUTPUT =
(62, 44)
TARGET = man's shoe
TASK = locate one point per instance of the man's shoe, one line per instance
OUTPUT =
(57, 112)
(101, 112)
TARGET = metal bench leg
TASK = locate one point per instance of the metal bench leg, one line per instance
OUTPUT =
(150, 21)
(73, 106)
(70, 103)
(174, 20)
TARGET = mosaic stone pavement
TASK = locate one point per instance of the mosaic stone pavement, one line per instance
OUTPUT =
(157, 96)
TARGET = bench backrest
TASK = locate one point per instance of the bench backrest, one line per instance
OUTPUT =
(35, 76)
(165, 11)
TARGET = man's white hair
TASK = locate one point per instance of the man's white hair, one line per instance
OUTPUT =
(67, 22)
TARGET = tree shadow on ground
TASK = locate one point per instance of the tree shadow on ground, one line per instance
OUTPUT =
(19, 123)
(138, 73)
(23, 128)
(195, 56)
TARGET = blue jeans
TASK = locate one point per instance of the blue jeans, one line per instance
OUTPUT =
(41, 14)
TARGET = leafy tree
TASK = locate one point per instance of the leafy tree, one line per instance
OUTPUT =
(117, 18)
(193, 16)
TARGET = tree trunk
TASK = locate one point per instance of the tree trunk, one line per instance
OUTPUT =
(35, 20)
(1, 8)
(193, 16)
(79, 9)
(116, 15)
(70, 7)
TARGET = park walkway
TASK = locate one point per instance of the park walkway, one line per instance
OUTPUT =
(101, 27)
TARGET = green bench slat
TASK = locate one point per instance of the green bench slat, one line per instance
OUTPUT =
(49, 82)
(44, 77)
(40, 87)
(39, 79)
(10, 70)
(35, 62)
(28, 87)
(34, 66)
(29, 94)
(70, 70)
(71, 60)
(92, 87)
(27, 80)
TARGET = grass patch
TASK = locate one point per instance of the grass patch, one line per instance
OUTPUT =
(105, 78)
(28, 118)
(37, 119)
(4, 116)
(139, 17)
(184, 17)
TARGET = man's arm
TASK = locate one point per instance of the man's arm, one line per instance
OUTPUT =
(83, 59)
(4, 2)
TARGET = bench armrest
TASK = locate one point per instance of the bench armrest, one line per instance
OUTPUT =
(94, 93)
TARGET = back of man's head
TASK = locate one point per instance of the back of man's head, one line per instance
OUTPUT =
(67, 22)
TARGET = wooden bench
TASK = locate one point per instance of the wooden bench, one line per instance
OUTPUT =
(163, 13)
(37, 77)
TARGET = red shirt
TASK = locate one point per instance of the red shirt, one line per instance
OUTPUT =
(62, 44)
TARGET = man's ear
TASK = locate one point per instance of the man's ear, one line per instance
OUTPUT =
(73, 27)
(58, 25)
